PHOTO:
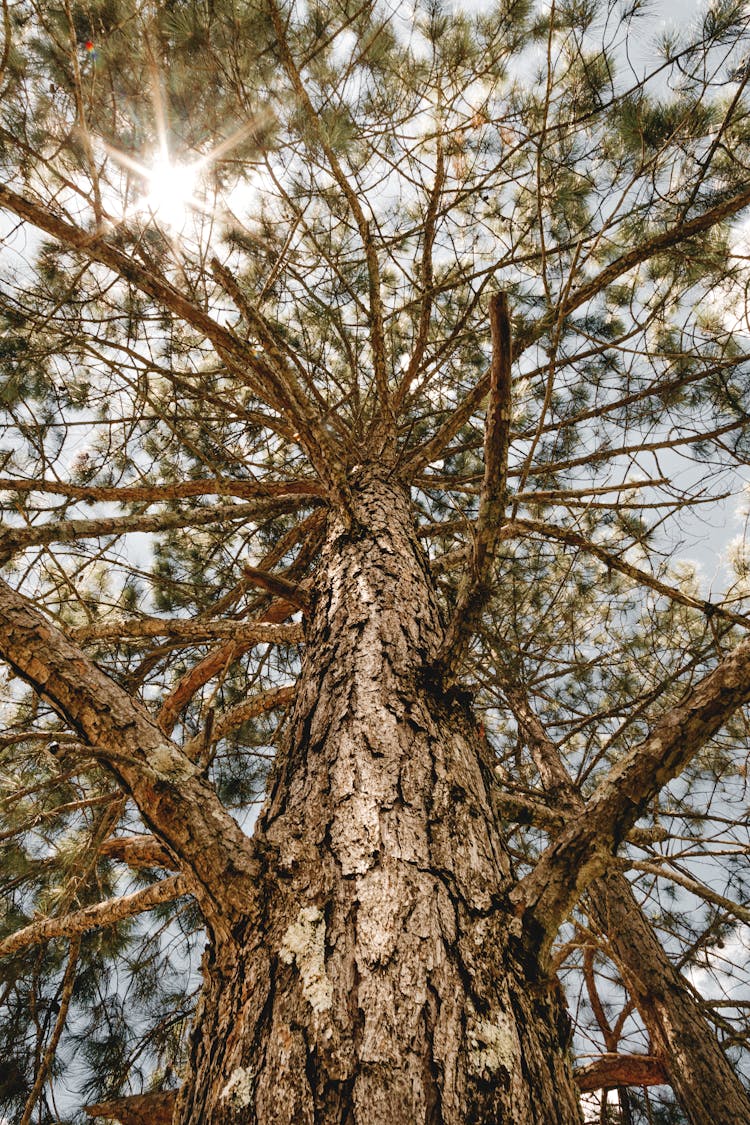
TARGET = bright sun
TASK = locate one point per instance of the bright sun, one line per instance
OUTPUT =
(170, 197)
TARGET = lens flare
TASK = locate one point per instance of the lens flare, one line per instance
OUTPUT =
(171, 193)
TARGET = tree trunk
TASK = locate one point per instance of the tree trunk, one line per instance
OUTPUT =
(387, 982)
(708, 1090)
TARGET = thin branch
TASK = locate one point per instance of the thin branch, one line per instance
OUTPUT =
(521, 528)
(377, 333)
(662, 871)
(7, 40)
(94, 917)
(426, 277)
(66, 992)
(247, 362)
(615, 562)
(224, 724)
(673, 236)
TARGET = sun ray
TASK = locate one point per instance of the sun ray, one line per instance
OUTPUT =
(172, 185)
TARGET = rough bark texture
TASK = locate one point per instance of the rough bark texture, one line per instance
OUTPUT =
(704, 1083)
(385, 982)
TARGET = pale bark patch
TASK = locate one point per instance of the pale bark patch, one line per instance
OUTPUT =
(493, 1044)
(304, 942)
(240, 1088)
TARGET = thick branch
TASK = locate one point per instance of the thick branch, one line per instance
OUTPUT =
(192, 631)
(584, 850)
(212, 664)
(278, 586)
(70, 531)
(93, 917)
(139, 1109)
(154, 493)
(176, 802)
(526, 810)
(137, 851)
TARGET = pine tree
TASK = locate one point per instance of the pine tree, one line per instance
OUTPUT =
(372, 752)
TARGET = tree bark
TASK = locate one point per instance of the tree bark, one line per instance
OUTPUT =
(387, 981)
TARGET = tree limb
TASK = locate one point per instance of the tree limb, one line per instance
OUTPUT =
(69, 531)
(137, 851)
(278, 586)
(179, 805)
(245, 632)
(584, 849)
(93, 917)
(155, 1108)
(154, 493)
(527, 810)
(667, 1008)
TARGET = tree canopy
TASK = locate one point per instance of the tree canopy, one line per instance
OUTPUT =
(251, 246)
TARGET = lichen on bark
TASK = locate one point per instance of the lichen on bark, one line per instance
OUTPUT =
(304, 943)
(238, 1091)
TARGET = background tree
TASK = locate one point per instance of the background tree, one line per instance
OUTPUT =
(367, 372)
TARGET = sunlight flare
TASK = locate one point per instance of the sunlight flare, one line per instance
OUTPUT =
(171, 194)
